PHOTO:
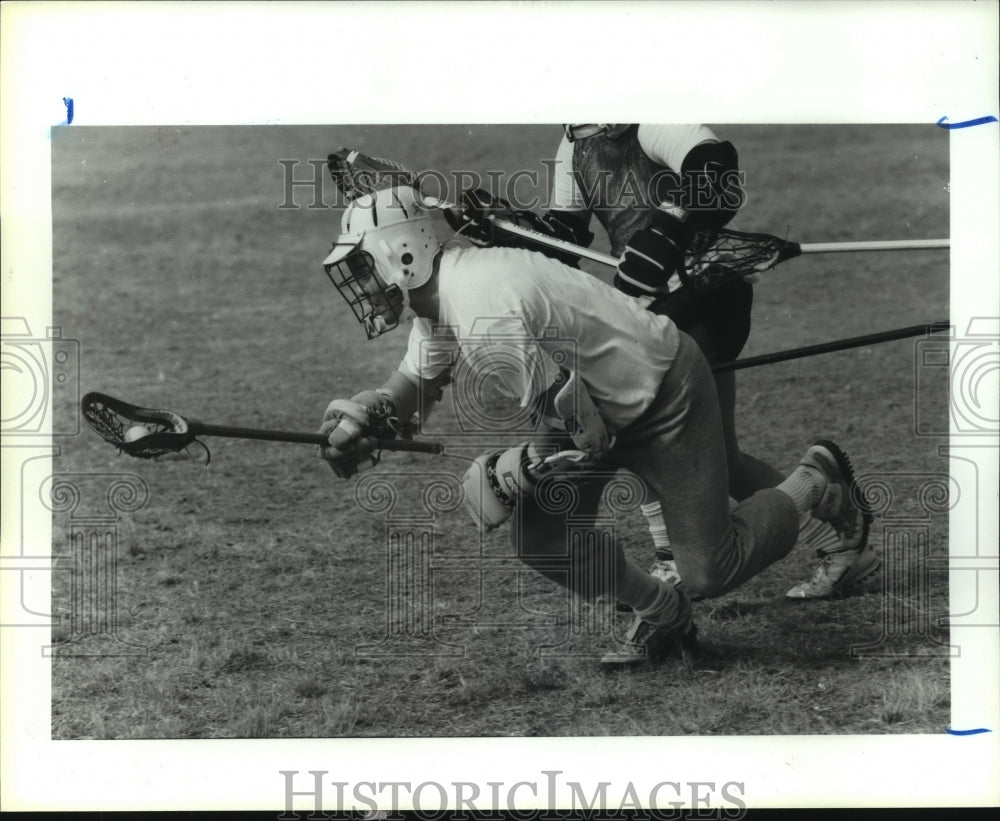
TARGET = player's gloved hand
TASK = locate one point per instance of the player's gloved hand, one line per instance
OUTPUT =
(653, 255)
(471, 217)
(353, 428)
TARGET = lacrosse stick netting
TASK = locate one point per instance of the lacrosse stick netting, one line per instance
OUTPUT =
(123, 425)
(356, 174)
(714, 257)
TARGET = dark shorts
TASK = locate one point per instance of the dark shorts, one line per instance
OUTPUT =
(718, 322)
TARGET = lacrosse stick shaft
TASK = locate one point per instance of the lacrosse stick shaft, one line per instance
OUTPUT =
(201, 429)
(829, 347)
(876, 245)
(804, 248)
(557, 244)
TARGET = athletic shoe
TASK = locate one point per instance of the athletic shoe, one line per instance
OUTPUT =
(837, 573)
(840, 569)
(855, 560)
(665, 570)
(837, 503)
(646, 642)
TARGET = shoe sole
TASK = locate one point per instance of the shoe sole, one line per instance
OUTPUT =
(611, 661)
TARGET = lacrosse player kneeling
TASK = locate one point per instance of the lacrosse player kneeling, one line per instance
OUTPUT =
(638, 395)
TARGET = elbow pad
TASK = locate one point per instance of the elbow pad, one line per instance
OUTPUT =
(713, 184)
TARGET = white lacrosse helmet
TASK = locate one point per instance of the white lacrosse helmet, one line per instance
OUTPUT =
(581, 131)
(386, 248)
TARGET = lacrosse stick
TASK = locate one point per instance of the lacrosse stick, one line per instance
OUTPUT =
(713, 258)
(147, 433)
(941, 326)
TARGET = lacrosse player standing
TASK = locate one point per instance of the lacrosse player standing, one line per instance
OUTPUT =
(652, 187)
(645, 402)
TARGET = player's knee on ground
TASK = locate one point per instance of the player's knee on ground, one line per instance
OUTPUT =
(704, 584)
(703, 580)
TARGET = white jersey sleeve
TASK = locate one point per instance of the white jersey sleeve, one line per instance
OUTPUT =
(427, 356)
(566, 194)
(669, 144)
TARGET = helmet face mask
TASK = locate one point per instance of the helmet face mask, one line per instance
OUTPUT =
(377, 306)
(387, 246)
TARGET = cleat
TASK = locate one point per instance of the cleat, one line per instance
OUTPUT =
(854, 560)
(647, 643)
(837, 573)
(665, 570)
(841, 569)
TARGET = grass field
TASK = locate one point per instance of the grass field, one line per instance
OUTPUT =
(246, 587)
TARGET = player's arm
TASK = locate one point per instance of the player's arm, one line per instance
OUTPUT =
(711, 193)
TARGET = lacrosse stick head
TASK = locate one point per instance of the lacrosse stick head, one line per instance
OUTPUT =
(717, 256)
(356, 174)
(141, 432)
(583, 131)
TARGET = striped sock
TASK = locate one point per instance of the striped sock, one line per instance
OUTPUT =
(803, 486)
(657, 529)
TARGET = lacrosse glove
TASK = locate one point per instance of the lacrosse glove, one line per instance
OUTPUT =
(353, 428)
(653, 255)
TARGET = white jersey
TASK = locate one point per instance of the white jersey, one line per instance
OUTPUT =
(665, 145)
(517, 317)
